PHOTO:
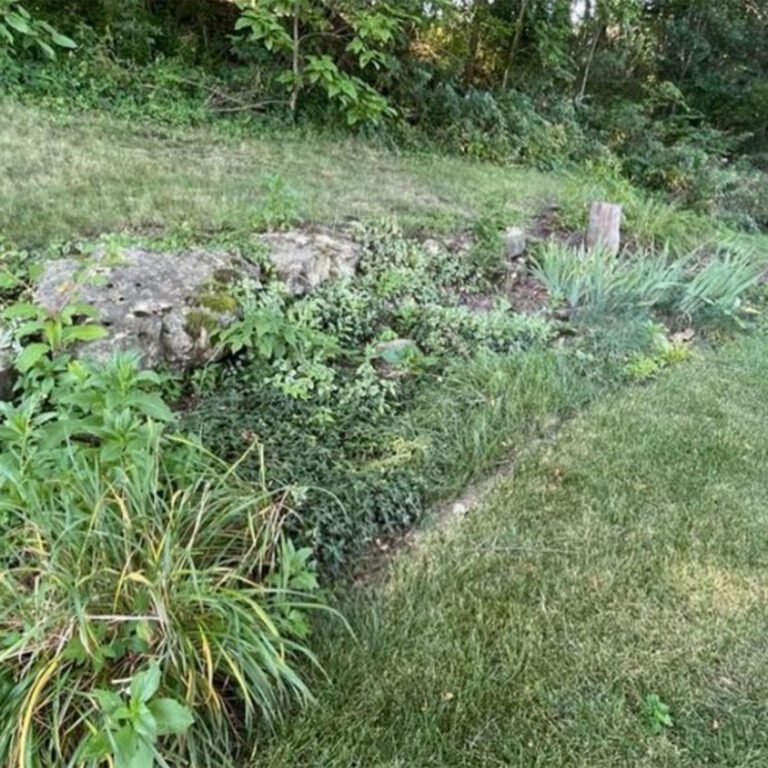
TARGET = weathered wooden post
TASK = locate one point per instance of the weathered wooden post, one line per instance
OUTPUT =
(604, 229)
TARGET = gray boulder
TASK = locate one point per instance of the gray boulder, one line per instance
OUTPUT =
(164, 305)
(515, 243)
(304, 260)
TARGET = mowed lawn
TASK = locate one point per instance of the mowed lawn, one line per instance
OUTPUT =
(629, 558)
(82, 175)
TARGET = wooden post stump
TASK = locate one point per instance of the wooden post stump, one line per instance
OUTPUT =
(604, 230)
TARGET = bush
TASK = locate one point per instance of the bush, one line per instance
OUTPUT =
(664, 145)
(507, 127)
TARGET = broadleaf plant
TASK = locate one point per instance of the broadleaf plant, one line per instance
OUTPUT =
(298, 32)
(19, 30)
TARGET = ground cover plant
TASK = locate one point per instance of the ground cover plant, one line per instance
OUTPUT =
(603, 606)
(376, 395)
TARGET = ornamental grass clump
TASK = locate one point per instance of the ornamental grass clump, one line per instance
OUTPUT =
(151, 610)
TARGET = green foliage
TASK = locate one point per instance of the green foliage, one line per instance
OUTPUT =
(132, 725)
(298, 31)
(279, 206)
(146, 559)
(19, 30)
(512, 127)
(546, 84)
(47, 354)
(326, 382)
(596, 285)
(658, 714)
(656, 351)
(664, 145)
(718, 288)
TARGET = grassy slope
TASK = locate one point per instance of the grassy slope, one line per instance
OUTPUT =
(626, 559)
(89, 174)
(84, 175)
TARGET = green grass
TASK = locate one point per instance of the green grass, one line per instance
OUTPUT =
(624, 560)
(64, 177)
(83, 175)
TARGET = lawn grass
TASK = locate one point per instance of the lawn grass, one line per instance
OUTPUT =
(85, 174)
(625, 559)
(62, 177)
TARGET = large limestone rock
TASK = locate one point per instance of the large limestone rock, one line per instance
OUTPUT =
(304, 260)
(165, 305)
(162, 304)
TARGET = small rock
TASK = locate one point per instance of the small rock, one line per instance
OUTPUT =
(515, 243)
(459, 509)
(394, 350)
(390, 356)
(304, 260)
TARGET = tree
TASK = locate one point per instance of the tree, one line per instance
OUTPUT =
(332, 46)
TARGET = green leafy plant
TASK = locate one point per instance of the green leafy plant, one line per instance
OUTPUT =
(43, 339)
(658, 714)
(717, 289)
(657, 351)
(19, 29)
(271, 329)
(326, 381)
(295, 30)
(147, 559)
(279, 207)
(133, 723)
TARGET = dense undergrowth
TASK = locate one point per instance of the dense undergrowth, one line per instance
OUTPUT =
(167, 579)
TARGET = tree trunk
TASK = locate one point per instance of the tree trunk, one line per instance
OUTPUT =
(590, 59)
(519, 24)
(474, 42)
(604, 229)
(295, 63)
